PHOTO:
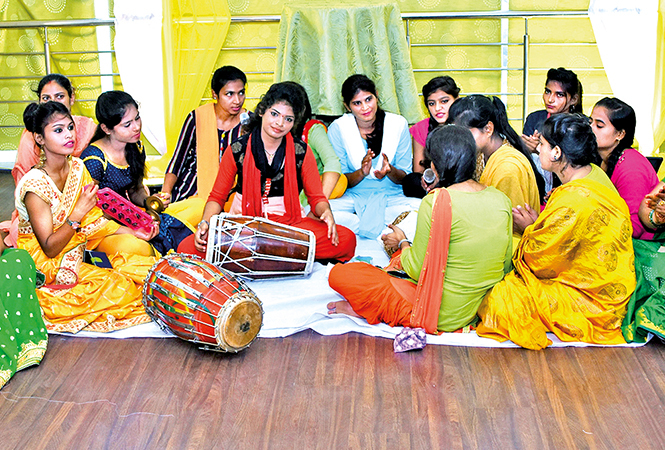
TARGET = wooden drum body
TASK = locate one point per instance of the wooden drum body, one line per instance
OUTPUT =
(201, 303)
(255, 247)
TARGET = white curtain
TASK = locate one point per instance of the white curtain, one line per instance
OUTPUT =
(626, 37)
(138, 51)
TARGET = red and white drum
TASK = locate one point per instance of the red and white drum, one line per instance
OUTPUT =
(255, 247)
(201, 303)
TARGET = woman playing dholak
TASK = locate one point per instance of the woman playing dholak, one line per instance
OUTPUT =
(573, 269)
(58, 220)
(272, 166)
(462, 248)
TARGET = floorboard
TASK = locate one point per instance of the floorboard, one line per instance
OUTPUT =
(349, 391)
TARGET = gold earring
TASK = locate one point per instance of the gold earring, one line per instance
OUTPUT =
(42, 156)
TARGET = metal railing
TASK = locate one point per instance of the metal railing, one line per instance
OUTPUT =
(408, 18)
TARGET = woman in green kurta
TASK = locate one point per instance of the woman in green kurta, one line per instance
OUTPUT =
(479, 249)
(22, 332)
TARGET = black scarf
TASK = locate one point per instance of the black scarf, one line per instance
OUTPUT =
(260, 158)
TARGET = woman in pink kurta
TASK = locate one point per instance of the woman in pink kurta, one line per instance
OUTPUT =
(613, 122)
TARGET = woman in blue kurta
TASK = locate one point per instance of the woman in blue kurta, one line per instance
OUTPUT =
(374, 148)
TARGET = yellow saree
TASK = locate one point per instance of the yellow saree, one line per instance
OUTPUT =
(573, 272)
(102, 299)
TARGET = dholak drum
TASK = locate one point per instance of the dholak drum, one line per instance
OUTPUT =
(255, 247)
(201, 303)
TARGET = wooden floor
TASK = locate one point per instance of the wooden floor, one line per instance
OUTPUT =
(309, 391)
(350, 391)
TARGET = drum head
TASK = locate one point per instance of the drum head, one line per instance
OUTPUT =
(242, 323)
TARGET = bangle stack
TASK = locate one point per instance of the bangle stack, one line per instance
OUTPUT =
(203, 221)
(653, 222)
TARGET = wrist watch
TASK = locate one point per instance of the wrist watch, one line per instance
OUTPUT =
(74, 224)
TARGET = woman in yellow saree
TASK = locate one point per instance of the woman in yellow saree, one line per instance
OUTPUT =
(573, 268)
(58, 221)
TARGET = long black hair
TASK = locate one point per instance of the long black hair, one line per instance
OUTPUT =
(110, 109)
(622, 117)
(353, 85)
(476, 111)
(572, 133)
(452, 150)
(285, 92)
(443, 83)
(570, 83)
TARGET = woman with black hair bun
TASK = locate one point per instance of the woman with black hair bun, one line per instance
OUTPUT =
(59, 220)
(439, 93)
(455, 256)
(272, 166)
(374, 148)
(613, 122)
(573, 268)
(52, 88)
(116, 160)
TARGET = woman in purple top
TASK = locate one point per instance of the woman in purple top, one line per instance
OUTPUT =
(439, 93)
(613, 122)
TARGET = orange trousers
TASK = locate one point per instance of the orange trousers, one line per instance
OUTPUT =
(372, 293)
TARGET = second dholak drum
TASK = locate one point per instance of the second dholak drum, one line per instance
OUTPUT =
(255, 247)
(201, 303)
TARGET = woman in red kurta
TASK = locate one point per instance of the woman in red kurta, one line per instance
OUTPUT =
(272, 167)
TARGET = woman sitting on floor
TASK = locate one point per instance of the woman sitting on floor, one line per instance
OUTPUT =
(645, 312)
(23, 336)
(455, 257)
(438, 94)
(272, 167)
(508, 166)
(573, 269)
(613, 122)
(57, 88)
(116, 160)
(206, 133)
(562, 94)
(59, 220)
(374, 148)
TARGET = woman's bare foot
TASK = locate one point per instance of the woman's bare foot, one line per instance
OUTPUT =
(342, 307)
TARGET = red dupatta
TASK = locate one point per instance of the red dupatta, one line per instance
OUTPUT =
(252, 204)
(425, 313)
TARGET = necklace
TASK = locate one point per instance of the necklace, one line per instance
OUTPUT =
(270, 156)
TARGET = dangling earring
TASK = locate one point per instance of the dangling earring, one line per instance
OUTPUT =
(42, 155)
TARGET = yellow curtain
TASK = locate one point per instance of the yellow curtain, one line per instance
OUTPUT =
(19, 59)
(193, 35)
(659, 90)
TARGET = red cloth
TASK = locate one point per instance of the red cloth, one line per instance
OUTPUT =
(324, 248)
(309, 173)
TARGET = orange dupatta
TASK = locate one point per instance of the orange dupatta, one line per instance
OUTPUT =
(207, 149)
(425, 313)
